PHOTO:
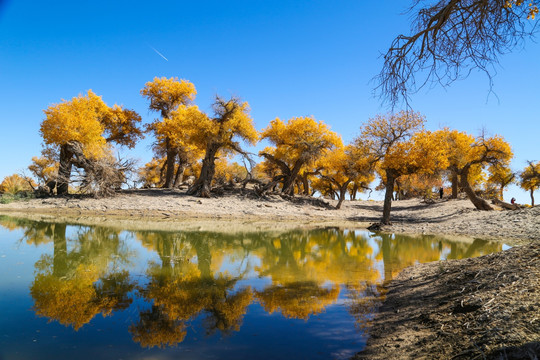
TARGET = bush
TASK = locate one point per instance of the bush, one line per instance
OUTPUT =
(9, 198)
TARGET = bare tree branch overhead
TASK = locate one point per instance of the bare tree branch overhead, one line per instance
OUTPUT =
(449, 39)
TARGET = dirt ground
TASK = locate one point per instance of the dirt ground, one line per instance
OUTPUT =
(481, 308)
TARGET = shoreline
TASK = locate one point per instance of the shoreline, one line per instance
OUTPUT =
(456, 218)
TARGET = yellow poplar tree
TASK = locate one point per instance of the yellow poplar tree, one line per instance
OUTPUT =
(500, 176)
(14, 184)
(530, 179)
(399, 145)
(219, 135)
(344, 165)
(423, 153)
(173, 132)
(165, 96)
(467, 155)
(298, 143)
(45, 167)
(82, 128)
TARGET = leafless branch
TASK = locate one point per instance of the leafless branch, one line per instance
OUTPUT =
(451, 38)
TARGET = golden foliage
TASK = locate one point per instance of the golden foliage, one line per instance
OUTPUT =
(229, 172)
(150, 174)
(69, 301)
(533, 8)
(297, 300)
(464, 150)
(45, 167)
(500, 176)
(77, 120)
(232, 119)
(182, 122)
(300, 139)
(530, 177)
(156, 329)
(166, 94)
(14, 184)
(344, 165)
(417, 185)
(121, 126)
(90, 122)
(382, 132)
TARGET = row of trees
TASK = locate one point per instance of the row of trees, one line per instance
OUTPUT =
(304, 155)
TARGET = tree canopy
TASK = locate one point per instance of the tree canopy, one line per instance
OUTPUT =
(83, 128)
(298, 143)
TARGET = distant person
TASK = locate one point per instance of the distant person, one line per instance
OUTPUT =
(513, 201)
(441, 192)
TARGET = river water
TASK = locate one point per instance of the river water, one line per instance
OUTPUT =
(94, 292)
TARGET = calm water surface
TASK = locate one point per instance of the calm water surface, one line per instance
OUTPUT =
(91, 292)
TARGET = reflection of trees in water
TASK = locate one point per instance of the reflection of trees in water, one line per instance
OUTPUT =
(156, 328)
(400, 251)
(297, 300)
(301, 262)
(73, 286)
(319, 256)
(80, 279)
(180, 290)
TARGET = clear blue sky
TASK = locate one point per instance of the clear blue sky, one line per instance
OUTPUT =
(286, 58)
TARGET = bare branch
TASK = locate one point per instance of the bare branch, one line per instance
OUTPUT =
(450, 39)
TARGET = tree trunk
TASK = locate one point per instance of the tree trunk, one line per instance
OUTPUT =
(342, 192)
(299, 187)
(288, 184)
(179, 177)
(202, 185)
(305, 184)
(354, 191)
(171, 159)
(532, 197)
(390, 179)
(478, 202)
(454, 185)
(64, 171)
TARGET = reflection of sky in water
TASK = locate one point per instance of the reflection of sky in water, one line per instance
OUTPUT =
(327, 271)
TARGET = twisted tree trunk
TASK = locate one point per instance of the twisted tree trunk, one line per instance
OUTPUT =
(342, 192)
(182, 165)
(478, 202)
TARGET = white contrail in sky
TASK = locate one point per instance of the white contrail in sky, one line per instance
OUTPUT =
(157, 52)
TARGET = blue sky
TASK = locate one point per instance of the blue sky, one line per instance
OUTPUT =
(286, 58)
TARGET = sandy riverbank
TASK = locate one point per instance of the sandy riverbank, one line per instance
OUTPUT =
(446, 217)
